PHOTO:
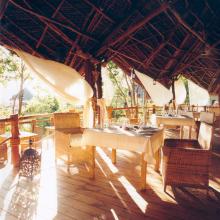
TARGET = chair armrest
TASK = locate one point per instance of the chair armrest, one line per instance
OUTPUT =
(186, 156)
(181, 143)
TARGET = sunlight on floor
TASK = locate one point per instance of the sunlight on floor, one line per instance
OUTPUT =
(114, 214)
(9, 193)
(107, 160)
(47, 201)
(118, 194)
(137, 198)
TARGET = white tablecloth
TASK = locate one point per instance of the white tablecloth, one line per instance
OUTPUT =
(147, 141)
(178, 121)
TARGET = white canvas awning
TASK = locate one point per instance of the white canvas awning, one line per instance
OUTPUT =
(197, 95)
(63, 79)
(108, 87)
(180, 91)
(159, 94)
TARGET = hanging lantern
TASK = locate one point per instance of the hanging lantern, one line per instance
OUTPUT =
(30, 162)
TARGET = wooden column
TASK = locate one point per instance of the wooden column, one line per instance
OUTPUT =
(15, 140)
(174, 94)
(113, 156)
(143, 172)
(2, 127)
(88, 69)
(99, 82)
(33, 125)
(99, 90)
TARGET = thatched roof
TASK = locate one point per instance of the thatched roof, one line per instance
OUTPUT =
(159, 38)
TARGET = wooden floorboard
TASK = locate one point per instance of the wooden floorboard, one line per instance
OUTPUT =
(65, 194)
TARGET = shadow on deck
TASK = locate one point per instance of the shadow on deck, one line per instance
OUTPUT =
(59, 193)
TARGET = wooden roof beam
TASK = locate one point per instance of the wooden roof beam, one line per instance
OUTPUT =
(111, 42)
(47, 26)
(99, 11)
(181, 69)
(79, 51)
(187, 27)
(176, 54)
(126, 56)
(18, 40)
(155, 52)
(3, 7)
(52, 21)
(27, 34)
(141, 42)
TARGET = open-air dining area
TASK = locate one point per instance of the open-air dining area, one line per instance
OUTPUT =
(109, 109)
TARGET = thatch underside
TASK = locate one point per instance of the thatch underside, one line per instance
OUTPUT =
(159, 38)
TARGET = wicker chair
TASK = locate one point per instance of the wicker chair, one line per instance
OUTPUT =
(186, 162)
(66, 123)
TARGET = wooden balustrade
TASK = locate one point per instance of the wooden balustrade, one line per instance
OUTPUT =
(137, 110)
(14, 139)
(14, 121)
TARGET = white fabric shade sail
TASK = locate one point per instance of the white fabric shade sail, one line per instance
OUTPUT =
(63, 79)
(159, 94)
(197, 95)
(180, 91)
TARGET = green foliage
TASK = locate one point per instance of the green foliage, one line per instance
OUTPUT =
(11, 67)
(121, 91)
(47, 104)
(185, 81)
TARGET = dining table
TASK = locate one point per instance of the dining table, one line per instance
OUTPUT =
(146, 140)
(176, 120)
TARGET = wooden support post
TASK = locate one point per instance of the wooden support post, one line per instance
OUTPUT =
(110, 111)
(154, 109)
(33, 125)
(88, 69)
(113, 156)
(2, 127)
(143, 172)
(99, 92)
(174, 94)
(15, 141)
(4, 4)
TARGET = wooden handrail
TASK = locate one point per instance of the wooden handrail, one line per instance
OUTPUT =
(5, 140)
(5, 120)
(36, 116)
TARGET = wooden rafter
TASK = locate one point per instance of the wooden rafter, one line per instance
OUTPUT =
(126, 56)
(18, 41)
(52, 21)
(185, 25)
(47, 26)
(3, 7)
(99, 11)
(110, 41)
(176, 54)
(184, 67)
(79, 51)
(148, 60)
(141, 42)
(27, 34)
(76, 42)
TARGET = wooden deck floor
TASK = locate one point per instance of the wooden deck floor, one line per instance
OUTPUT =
(62, 194)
